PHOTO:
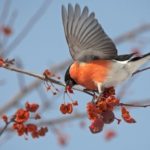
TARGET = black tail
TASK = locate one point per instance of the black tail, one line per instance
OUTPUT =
(139, 57)
(135, 63)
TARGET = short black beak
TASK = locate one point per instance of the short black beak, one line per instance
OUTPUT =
(68, 80)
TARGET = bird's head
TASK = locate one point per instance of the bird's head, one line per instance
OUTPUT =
(68, 80)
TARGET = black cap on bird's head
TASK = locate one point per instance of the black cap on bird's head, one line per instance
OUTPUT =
(68, 80)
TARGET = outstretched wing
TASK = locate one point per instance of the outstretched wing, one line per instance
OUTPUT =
(85, 36)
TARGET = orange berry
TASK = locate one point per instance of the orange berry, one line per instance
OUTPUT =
(1, 62)
(69, 108)
(21, 129)
(47, 73)
(42, 131)
(37, 116)
(92, 111)
(126, 116)
(21, 116)
(75, 103)
(34, 135)
(69, 89)
(31, 128)
(31, 107)
(102, 105)
(110, 134)
(112, 101)
(7, 30)
(5, 118)
(62, 139)
(63, 108)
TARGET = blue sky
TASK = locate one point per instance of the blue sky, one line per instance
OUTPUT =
(46, 45)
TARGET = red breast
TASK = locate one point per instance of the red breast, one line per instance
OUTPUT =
(89, 73)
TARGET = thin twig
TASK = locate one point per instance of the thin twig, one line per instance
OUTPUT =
(132, 33)
(27, 28)
(134, 105)
(82, 115)
(20, 77)
(141, 70)
(41, 77)
(124, 88)
(29, 88)
(5, 11)
(63, 119)
(60, 120)
(5, 127)
(10, 24)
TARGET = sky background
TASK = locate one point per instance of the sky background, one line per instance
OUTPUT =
(46, 45)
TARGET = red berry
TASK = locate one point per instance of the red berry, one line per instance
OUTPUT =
(108, 116)
(96, 126)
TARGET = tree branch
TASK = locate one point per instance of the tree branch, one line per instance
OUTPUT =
(27, 28)
(29, 88)
(75, 116)
(43, 78)
(132, 33)
(134, 105)
(38, 76)
(141, 70)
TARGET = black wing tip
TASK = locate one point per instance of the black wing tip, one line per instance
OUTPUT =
(125, 57)
(139, 57)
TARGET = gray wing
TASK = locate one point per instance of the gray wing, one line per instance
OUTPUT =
(85, 36)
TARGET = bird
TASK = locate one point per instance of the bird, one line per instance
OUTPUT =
(96, 62)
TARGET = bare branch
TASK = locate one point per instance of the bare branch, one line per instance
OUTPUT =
(10, 24)
(4, 128)
(5, 11)
(38, 76)
(134, 105)
(43, 78)
(141, 70)
(132, 34)
(63, 119)
(27, 28)
(60, 120)
(29, 88)
(20, 77)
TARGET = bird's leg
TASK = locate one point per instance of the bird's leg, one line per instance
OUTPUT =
(94, 99)
(100, 91)
(99, 86)
(92, 93)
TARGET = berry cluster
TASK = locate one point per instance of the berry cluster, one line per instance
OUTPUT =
(68, 108)
(20, 121)
(48, 84)
(101, 112)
